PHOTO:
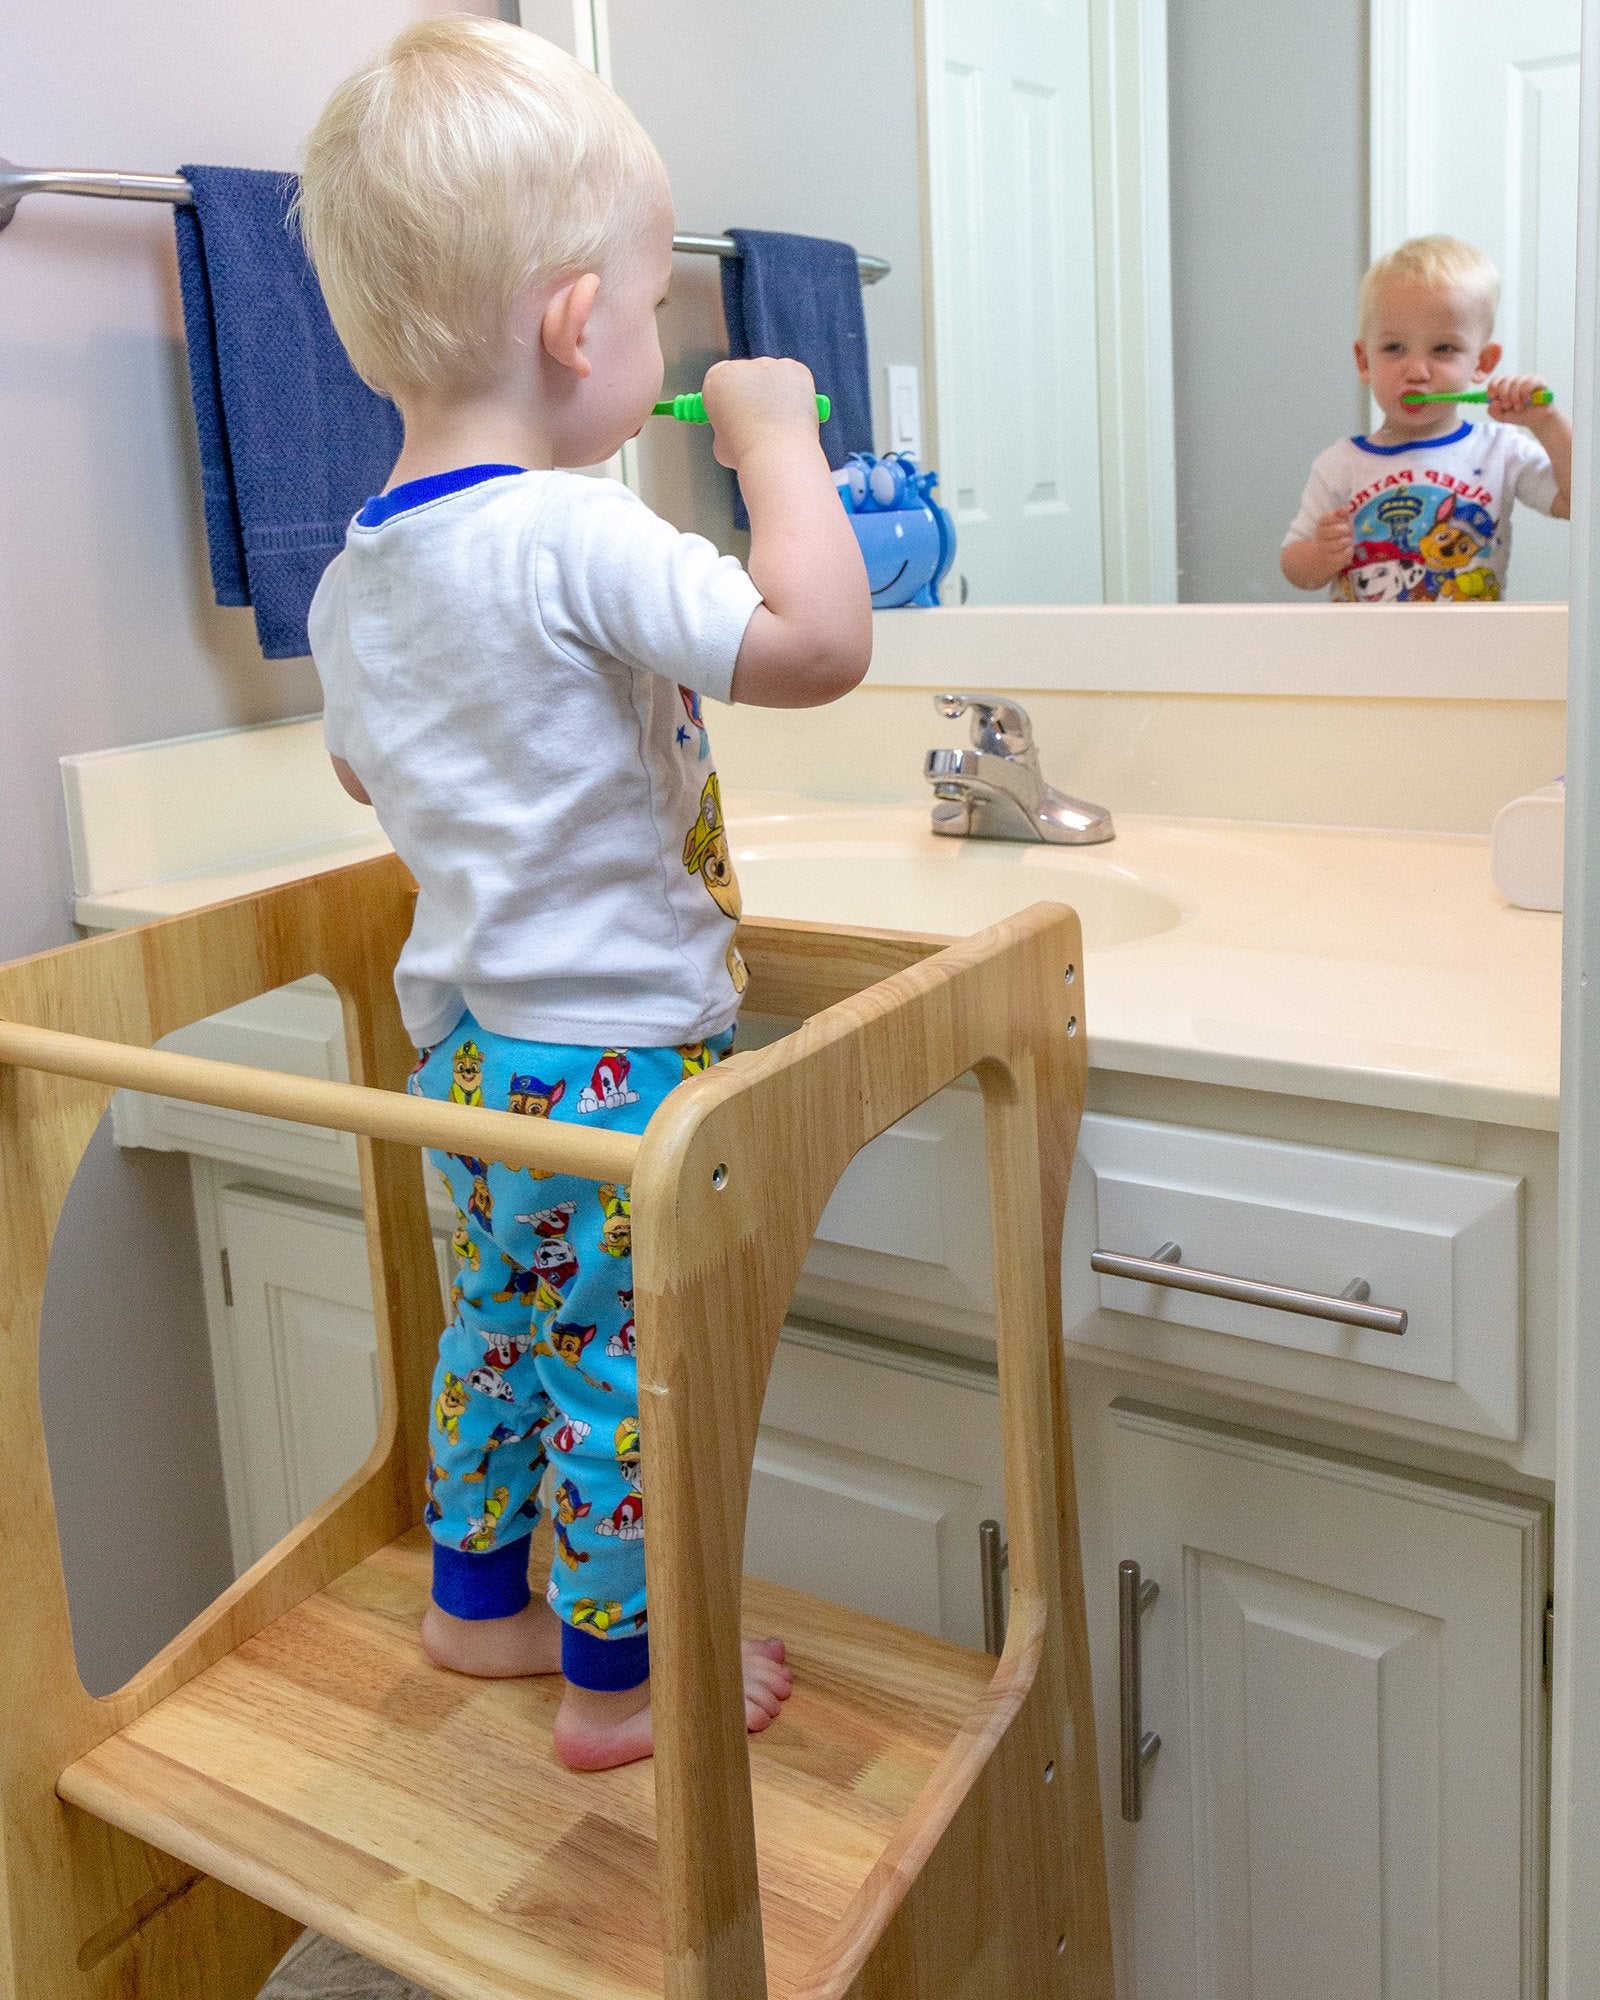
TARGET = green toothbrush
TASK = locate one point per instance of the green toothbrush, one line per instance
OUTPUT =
(691, 408)
(1414, 396)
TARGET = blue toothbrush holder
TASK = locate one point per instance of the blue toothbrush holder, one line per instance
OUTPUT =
(908, 540)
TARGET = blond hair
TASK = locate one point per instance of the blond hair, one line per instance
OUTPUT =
(469, 161)
(1433, 260)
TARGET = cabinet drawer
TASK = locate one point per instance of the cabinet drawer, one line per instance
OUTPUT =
(1444, 1243)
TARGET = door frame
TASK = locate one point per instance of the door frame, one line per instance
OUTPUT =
(1575, 1697)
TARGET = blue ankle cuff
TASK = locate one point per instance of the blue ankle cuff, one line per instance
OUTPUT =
(491, 1585)
(607, 1665)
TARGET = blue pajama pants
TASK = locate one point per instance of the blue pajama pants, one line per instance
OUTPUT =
(536, 1371)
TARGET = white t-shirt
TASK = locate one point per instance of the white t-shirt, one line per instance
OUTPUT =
(512, 664)
(1431, 520)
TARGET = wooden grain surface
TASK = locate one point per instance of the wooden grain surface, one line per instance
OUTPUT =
(419, 1816)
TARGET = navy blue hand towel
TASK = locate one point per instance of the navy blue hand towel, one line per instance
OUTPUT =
(292, 441)
(801, 296)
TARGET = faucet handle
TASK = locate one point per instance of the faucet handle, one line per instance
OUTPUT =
(1001, 728)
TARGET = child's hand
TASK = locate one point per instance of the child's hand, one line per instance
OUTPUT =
(1336, 541)
(748, 400)
(1511, 399)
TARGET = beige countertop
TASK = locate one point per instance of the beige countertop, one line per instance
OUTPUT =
(1363, 967)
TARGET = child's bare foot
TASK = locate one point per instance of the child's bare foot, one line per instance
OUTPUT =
(528, 1642)
(595, 1731)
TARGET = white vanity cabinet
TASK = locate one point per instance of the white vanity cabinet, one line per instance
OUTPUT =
(1343, 1663)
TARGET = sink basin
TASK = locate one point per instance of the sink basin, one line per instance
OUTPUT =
(917, 881)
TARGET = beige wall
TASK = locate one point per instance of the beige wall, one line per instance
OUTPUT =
(108, 636)
(1269, 240)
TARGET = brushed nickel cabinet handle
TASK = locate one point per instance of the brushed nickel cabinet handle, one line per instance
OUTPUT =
(1138, 1744)
(1162, 1267)
(994, 1557)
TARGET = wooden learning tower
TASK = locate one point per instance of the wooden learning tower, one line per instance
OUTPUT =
(922, 1823)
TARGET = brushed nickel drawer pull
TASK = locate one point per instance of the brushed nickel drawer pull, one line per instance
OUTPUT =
(1350, 1308)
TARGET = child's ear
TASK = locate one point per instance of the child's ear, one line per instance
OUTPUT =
(566, 321)
(1362, 369)
(1488, 361)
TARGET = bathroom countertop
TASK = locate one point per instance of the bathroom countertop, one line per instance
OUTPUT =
(1356, 966)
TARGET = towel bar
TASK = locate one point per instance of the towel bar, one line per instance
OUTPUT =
(17, 181)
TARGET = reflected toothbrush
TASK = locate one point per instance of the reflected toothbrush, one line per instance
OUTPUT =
(690, 408)
(1413, 397)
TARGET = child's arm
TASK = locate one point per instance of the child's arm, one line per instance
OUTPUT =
(1315, 562)
(351, 783)
(810, 639)
(1511, 402)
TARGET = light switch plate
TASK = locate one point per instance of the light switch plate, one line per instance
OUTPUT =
(905, 411)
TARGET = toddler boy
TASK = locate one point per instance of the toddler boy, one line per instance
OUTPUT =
(513, 657)
(1421, 510)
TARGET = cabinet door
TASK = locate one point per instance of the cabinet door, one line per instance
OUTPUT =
(873, 1473)
(301, 1351)
(1344, 1665)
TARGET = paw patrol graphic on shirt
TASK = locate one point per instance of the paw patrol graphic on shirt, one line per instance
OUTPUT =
(1419, 540)
(466, 1074)
(705, 853)
(616, 1232)
(607, 1089)
(697, 728)
(1459, 534)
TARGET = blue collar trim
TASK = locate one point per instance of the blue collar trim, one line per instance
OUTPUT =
(437, 486)
(1422, 444)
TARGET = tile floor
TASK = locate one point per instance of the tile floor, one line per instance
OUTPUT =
(318, 1969)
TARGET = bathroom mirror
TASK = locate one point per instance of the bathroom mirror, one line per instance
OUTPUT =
(1125, 239)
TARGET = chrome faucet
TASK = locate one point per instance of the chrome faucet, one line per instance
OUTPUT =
(995, 791)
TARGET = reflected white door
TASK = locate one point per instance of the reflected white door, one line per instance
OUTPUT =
(1475, 133)
(1011, 184)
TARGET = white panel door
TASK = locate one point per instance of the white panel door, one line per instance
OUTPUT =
(1475, 133)
(1011, 181)
(1343, 1665)
(871, 1481)
(298, 1372)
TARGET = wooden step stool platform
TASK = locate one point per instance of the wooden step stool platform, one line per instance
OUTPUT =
(419, 1816)
(920, 1824)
